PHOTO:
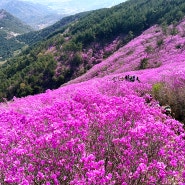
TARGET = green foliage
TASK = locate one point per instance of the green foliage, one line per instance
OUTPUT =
(76, 61)
(174, 31)
(164, 27)
(8, 46)
(143, 63)
(156, 90)
(86, 37)
(72, 46)
(130, 36)
(25, 77)
(60, 40)
(149, 49)
(160, 42)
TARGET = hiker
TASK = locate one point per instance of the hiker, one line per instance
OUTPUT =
(132, 78)
(138, 79)
(167, 110)
(126, 77)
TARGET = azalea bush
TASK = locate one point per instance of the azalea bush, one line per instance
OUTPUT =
(163, 67)
(98, 132)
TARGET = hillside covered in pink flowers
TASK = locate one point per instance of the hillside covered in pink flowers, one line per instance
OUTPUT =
(158, 49)
(101, 128)
(156, 57)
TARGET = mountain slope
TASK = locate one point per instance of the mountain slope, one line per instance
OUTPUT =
(88, 133)
(11, 45)
(156, 57)
(10, 27)
(11, 23)
(155, 48)
(72, 51)
(103, 131)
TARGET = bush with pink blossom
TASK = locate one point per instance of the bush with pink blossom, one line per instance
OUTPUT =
(96, 132)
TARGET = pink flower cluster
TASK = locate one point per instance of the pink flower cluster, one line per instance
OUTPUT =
(97, 52)
(96, 132)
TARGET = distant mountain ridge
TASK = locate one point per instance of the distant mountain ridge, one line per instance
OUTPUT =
(11, 23)
(35, 15)
(10, 27)
(40, 14)
(72, 6)
(31, 37)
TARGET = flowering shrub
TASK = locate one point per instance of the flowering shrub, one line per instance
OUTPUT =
(101, 132)
(164, 65)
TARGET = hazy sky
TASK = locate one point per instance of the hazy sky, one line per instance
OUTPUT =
(47, 1)
(75, 6)
(60, 1)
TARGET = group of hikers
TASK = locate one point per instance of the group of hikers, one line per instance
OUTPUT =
(127, 78)
(132, 78)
